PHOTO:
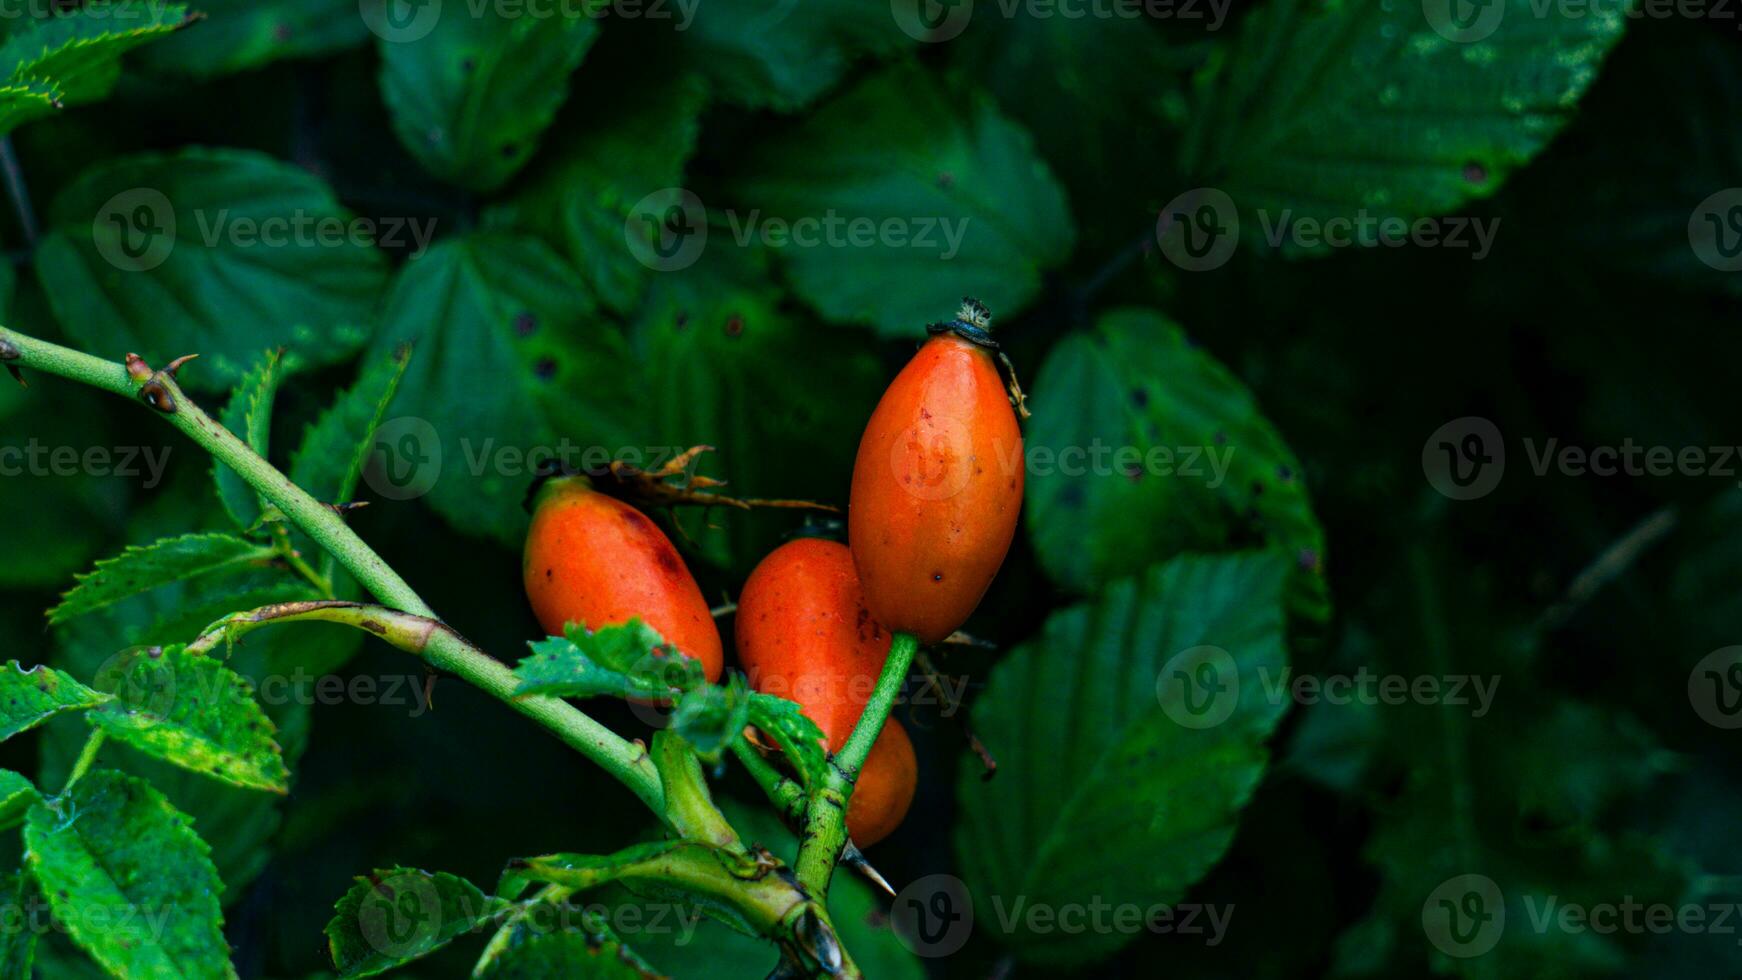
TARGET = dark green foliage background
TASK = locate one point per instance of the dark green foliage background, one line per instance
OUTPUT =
(1592, 321)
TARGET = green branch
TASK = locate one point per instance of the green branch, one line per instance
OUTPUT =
(825, 831)
(439, 645)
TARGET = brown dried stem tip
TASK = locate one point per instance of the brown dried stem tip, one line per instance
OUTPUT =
(670, 485)
(176, 364)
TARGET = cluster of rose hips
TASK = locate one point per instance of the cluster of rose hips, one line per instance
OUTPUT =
(936, 494)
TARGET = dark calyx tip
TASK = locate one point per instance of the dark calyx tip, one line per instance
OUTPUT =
(973, 323)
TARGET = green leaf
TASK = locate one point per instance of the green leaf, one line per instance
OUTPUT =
(78, 51)
(1130, 734)
(248, 415)
(19, 896)
(216, 252)
(235, 35)
(20, 102)
(508, 357)
(711, 717)
(948, 196)
(791, 729)
(777, 55)
(396, 915)
(336, 447)
(764, 385)
(1143, 446)
(471, 98)
(192, 711)
(580, 194)
(29, 697)
(1329, 109)
(115, 845)
(17, 795)
(631, 660)
(591, 951)
(143, 568)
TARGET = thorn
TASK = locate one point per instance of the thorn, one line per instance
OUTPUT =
(176, 364)
(429, 679)
(346, 508)
(156, 394)
(17, 375)
(137, 369)
(959, 638)
(979, 749)
(855, 859)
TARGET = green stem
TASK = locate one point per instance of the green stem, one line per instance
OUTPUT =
(445, 649)
(87, 757)
(786, 794)
(439, 646)
(825, 832)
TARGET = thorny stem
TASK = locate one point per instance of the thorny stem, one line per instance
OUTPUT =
(438, 645)
(825, 832)
(442, 647)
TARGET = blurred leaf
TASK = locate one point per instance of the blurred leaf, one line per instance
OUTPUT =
(119, 845)
(471, 98)
(508, 355)
(248, 416)
(74, 56)
(948, 196)
(141, 569)
(579, 194)
(192, 711)
(17, 795)
(29, 697)
(771, 53)
(1329, 109)
(215, 252)
(1101, 796)
(396, 915)
(1142, 446)
(785, 401)
(588, 951)
(236, 35)
(631, 660)
(18, 894)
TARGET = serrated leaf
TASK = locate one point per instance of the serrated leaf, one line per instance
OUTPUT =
(1337, 109)
(630, 660)
(29, 697)
(116, 844)
(590, 952)
(509, 357)
(143, 568)
(248, 415)
(711, 717)
(215, 252)
(396, 915)
(22, 101)
(1130, 734)
(78, 51)
(334, 449)
(581, 191)
(191, 711)
(235, 35)
(17, 795)
(1143, 446)
(471, 98)
(791, 729)
(775, 54)
(977, 210)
